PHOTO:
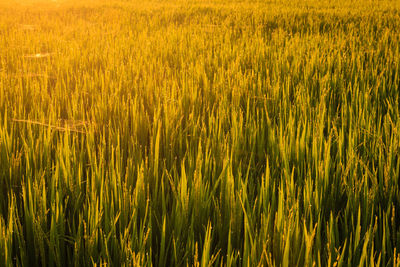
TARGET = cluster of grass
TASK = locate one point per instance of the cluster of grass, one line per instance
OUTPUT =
(200, 133)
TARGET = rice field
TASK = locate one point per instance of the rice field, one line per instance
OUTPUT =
(200, 133)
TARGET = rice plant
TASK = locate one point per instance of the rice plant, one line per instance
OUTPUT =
(199, 133)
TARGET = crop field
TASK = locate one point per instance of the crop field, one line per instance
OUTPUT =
(200, 133)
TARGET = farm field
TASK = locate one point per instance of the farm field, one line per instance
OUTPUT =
(200, 133)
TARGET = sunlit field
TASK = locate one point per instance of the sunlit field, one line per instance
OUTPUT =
(199, 133)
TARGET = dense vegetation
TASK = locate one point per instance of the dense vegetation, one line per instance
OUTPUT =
(200, 133)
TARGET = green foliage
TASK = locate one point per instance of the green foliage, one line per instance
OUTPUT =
(205, 133)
